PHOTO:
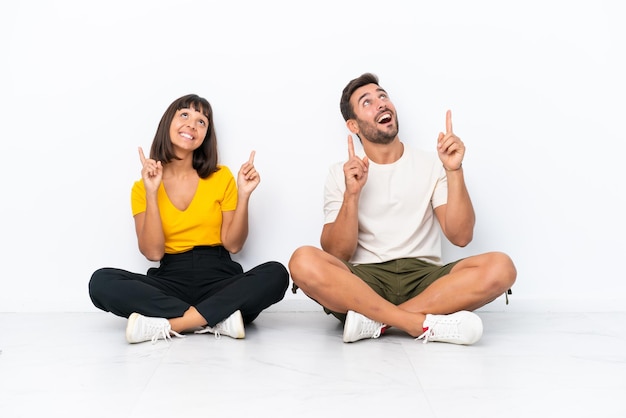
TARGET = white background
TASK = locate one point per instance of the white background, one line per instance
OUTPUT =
(536, 90)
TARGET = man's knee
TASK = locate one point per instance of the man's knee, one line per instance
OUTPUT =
(501, 271)
(301, 260)
(508, 270)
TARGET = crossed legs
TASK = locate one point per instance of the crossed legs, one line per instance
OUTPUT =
(472, 283)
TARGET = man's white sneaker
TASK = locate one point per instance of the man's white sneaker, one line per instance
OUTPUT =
(231, 327)
(141, 328)
(463, 327)
(358, 327)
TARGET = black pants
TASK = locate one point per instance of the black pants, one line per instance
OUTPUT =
(204, 277)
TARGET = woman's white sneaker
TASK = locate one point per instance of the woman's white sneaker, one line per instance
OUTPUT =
(141, 328)
(231, 327)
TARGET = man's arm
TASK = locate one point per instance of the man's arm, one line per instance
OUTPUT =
(457, 217)
(340, 237)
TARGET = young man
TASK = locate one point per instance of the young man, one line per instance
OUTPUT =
(381, 262)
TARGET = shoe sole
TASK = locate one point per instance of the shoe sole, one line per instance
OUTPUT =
(130, 325)
(347, 327)
(242, 333)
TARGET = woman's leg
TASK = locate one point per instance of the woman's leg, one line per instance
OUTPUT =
(122, 293)
(250, 292)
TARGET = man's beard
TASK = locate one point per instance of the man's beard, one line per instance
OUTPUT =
(378, 136)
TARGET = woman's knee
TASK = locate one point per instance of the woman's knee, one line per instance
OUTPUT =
(273, 268)
(275, 273)
(102, 283)
(98, 280)
(279, 271)
(98, 286)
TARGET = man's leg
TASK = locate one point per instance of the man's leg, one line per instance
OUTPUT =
(325, 279)
(472, 283)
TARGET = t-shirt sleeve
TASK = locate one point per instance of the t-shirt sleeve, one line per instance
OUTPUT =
(334, 189)
(230, 192)
(440, 194)
(138, 197)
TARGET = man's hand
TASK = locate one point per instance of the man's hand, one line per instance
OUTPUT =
(450, 147)
(355, 170)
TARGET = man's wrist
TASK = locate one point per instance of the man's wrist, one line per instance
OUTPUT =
(455, 169)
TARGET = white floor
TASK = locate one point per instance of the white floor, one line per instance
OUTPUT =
(294, 364)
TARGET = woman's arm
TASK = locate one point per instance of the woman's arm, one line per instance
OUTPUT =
(235, 223)
(148, 227)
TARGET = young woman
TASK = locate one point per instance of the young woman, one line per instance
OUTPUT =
(190, 215)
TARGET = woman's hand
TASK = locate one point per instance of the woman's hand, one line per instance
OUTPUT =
(248, 178)
(151, 172)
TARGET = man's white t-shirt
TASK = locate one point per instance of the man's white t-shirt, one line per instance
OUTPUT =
(396, 217)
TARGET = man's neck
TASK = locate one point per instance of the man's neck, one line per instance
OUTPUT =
(384, 153)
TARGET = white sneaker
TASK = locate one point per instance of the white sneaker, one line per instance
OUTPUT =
(463, 327)
(231, 327)
(141, 328)
(358, 327)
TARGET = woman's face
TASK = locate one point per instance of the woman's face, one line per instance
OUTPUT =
(188, 129)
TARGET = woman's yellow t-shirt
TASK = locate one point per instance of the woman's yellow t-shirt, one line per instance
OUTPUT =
(201, 222)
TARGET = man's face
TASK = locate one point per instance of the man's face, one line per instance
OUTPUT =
(376, 119)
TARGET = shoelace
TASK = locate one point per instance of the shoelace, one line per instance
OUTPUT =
(209, 329)
(444, 329)
(165, 334)
(426, 335)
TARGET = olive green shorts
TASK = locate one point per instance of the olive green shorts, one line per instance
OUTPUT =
(397, 280)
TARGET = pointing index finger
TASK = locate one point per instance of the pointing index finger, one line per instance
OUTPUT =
(350, 147)
(449, 121)
(251, 159)
(142, 157)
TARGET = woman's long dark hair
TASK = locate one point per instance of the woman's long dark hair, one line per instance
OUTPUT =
(205, 157)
